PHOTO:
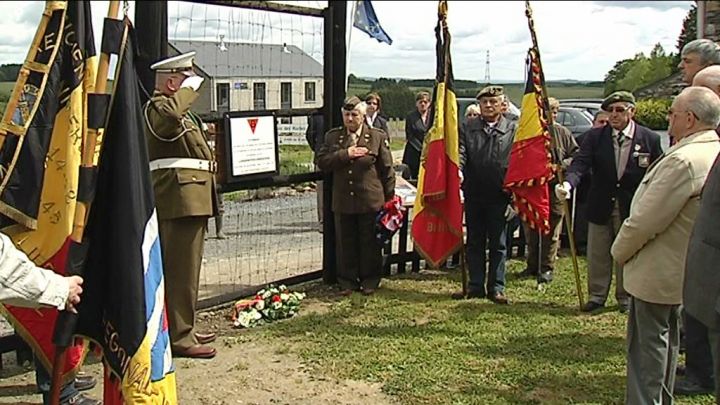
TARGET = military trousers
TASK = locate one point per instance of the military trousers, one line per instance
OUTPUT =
(601, 263)
(543, 249)
(653, 341)
(359, 255)
(182, 241)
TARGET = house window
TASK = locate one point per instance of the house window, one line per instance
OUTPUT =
(222, 96)
(309, 91)
(286, 100)
(259, 96)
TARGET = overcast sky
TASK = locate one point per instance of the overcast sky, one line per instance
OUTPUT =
(579, 40)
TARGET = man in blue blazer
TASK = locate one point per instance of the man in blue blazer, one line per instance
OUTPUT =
(618, 155)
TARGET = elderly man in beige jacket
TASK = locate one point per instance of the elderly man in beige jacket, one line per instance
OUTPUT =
(652, 244)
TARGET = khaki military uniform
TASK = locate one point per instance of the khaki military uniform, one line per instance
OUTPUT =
(185, 199)
(361, 186)
(548, 245)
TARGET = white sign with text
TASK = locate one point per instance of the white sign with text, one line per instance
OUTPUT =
(252, 143)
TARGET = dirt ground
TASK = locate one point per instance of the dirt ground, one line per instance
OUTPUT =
(246, 371)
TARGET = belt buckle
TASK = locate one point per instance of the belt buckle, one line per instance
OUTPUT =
(213, 166)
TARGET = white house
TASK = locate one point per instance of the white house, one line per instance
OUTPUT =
(248, 76)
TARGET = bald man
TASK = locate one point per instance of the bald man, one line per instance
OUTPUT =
(699, 374)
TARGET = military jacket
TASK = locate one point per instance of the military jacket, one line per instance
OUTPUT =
(360, 185)
(172, 131)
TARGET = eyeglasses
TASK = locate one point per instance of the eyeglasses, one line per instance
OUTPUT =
(371, 102)
(619, 109)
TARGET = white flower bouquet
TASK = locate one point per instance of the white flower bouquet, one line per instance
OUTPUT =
(268, 304)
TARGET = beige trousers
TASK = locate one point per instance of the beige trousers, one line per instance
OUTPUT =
(601, 263)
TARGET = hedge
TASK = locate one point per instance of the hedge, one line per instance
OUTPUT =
(652, 113)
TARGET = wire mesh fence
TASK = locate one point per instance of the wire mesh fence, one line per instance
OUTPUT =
(266, 241)
(256, 60)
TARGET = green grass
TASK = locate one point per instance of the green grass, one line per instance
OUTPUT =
(295, 159)
(6, 88)
(428, 349)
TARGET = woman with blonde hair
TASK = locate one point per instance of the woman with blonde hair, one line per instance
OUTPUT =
(472, 111)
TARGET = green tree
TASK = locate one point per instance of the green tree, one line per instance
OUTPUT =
(688, 33)
(640, 71)
(616, 74)
(661, 65)
(397, 98)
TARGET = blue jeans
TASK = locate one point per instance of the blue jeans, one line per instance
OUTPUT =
(44, 381)
(486, 229)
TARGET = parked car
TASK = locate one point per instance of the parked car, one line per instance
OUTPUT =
(590, 105)
(574, 119)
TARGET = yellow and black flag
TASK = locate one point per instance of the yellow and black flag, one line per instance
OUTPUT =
(41, 137)
(437, 223)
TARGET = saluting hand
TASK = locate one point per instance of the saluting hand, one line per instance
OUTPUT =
(357, 151)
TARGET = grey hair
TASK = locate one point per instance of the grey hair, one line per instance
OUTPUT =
(704, 103)
(361, 107)
(707, 50)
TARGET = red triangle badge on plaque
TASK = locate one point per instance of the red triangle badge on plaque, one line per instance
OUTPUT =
(253, 123)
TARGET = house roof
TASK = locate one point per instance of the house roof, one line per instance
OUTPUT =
(250, 60)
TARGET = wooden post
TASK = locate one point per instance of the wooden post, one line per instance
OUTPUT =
(334, 94)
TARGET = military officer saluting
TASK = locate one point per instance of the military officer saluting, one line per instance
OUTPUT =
(363, 180)
(183, 168)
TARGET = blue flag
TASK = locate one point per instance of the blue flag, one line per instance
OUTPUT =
(367, 21)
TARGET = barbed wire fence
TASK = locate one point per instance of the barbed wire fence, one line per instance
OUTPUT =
(258, 60)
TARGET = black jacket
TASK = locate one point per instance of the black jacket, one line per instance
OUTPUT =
(415, 130)
(598, 155)
(381, 123)
(484, 158)
(315, 133)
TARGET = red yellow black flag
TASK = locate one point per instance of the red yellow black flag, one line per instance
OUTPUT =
(437, 222)
(530, 165)
(41, 137)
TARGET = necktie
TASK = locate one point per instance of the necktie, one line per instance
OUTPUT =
(620, 138)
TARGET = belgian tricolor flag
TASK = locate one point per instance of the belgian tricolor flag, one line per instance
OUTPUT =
(530, 166)
(437, 222)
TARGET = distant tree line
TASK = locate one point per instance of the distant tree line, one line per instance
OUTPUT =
(9, 72)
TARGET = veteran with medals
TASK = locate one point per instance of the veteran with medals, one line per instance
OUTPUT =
(359, 158)
(182, 167)
(618, 155)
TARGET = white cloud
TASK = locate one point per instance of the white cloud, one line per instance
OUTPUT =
(578, 40)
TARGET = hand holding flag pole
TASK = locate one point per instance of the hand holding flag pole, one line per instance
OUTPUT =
(555, 157)
(65, 324)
